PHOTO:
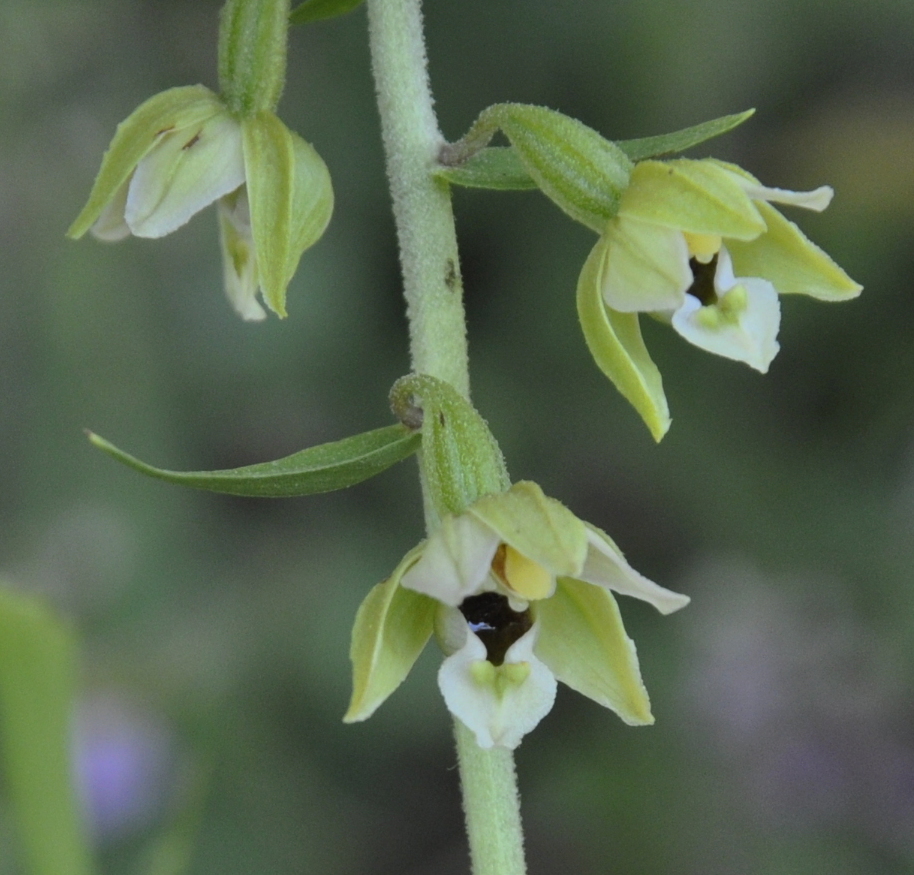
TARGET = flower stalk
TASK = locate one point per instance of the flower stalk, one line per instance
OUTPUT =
(437, 326)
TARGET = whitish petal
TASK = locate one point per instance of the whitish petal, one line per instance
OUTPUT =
(817, 199)
(110, 225)
(646, 266)
(172, 110)
(606, 567)
(183, 173)
(239, 260)
(743, 324)
(455, 561)
(582, 640)
(499, 704)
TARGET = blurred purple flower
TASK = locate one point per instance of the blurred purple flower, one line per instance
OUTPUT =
(124, 762)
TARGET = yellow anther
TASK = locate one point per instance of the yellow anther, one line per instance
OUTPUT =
(703, 247)
(526, 577)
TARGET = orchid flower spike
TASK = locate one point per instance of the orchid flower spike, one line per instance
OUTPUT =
(519, 593)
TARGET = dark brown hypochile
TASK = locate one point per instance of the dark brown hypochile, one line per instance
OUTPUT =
(496, 625)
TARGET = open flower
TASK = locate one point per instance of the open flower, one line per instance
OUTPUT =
(700, 242)
(518, 590)
(183, 150)
(697, 244)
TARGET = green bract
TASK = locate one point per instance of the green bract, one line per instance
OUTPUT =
(679, 141)
(322, 468)
(518, 590)
(182, 150)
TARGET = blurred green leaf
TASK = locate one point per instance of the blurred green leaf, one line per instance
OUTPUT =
(497, 167)
(667, 144)
(317, 10)
(37, 681)
(171, 851)
(323, 468)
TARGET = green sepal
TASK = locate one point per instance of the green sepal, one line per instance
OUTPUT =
(163, 113)
(790, 261)
(318, 10)
(37, 685)
(700, 197)
(581, 171)
(615, 342)
(253, 36)
(312, 202)
(538, 527)
(584, 644)
(323, 468)
(497, 167)
(269, 166)
(391, 628)
(678, 141)
(460, 458)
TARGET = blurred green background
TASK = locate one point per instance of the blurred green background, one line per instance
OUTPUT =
(216, 629)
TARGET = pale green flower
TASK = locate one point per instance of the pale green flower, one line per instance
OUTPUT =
(183, 150)
(699, 242)
(517, 589)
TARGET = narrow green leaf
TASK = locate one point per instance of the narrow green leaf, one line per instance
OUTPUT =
(171, 851)
(317, 10)
(37, 682)
(323, 468)
(497, 167)
(667, 144)
(614, 340)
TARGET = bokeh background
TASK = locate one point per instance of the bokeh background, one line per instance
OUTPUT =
(215, 630)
